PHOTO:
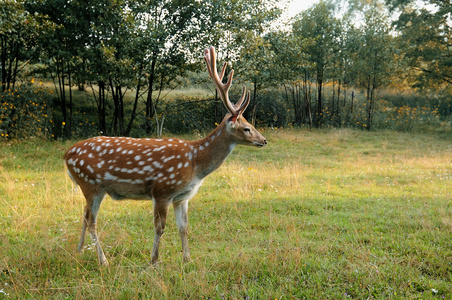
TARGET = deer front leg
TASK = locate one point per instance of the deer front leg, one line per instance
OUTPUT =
(100, 253)
(181, 212)
(160, 212)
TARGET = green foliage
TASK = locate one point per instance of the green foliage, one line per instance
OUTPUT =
(273, 110)
(26, 112)
(19, 35)
(147, 47)
(189, 114)
(408, 118)
(426, 41)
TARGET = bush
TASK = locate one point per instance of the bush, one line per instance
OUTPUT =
(25, 113)
(189, 114)
(408, 118)
(272, 110)
(194, 114)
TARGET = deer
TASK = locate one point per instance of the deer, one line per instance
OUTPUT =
(167, 171)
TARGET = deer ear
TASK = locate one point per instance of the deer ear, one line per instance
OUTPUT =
(232, 120)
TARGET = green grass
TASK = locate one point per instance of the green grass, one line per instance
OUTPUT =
(317, 214)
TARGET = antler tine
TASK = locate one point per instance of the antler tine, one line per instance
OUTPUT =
(240, 107)
(223, 70)
(239, 103)
(210, 58)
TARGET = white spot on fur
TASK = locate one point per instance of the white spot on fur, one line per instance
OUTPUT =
(157, 164)
(108, 176)
(160, 148)
(168, 159)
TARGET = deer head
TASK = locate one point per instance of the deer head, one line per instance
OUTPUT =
(243, 132)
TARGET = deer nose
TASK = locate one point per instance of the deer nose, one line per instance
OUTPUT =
(265, 142)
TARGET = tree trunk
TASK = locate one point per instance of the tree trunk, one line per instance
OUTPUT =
(319, 100)
(70, 102)
(101, 110)
(3, 62)
(135, 104)
(62, 95)
(308, 99)
(150, 109)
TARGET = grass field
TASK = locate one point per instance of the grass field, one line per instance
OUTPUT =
(317, 214)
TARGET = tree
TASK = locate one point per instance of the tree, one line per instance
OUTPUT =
(230, 26)
(375, 61)
(320, 26)
(256, 65)
(292, 69)
(18, 40)
(167, 33)
(61, 47)
(427, 40)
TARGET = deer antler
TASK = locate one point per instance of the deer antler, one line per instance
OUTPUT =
(223, 88)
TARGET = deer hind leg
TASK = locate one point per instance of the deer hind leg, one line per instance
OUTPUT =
(92, 226)
(160, 213)
(181, 213)
(86, 216)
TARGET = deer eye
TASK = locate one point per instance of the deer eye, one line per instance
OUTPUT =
(247, 130)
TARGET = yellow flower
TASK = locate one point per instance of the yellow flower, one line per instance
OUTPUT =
(64, 123)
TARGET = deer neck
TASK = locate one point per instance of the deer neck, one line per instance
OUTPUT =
(210, 152)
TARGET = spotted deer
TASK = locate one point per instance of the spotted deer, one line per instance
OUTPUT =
(166, 171)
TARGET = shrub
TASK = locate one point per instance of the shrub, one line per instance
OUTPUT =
(272, 110)
(408, 118)
(25, 113)
(189, 114)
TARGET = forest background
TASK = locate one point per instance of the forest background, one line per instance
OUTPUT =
(71, 69)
